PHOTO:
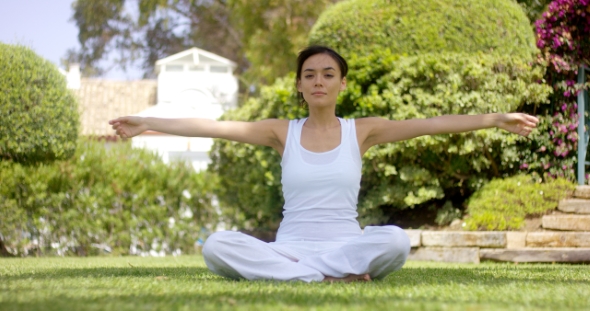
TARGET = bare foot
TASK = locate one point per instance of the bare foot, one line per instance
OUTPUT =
(349, 278)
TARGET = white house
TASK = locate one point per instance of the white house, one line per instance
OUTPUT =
(191, 84)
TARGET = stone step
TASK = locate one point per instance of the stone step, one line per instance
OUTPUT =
(415, 237)
(558, 239)
(578, 206)
(582, 192)
(515, 239)
(446, 254)
(464, 238)
(537, 254)
(567, 222)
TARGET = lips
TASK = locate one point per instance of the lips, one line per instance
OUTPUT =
(318, 93)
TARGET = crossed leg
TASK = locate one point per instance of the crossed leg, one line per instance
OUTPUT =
(376, 253)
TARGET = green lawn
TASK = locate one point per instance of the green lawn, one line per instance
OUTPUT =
(184, 283)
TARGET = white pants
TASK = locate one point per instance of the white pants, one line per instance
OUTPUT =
(377, 252)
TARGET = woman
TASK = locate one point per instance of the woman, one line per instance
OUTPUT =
(319, 238)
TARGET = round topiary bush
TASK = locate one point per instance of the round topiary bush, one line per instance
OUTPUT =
(38, 114)
(428, 26)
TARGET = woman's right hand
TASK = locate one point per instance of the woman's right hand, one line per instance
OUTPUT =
(130, 126)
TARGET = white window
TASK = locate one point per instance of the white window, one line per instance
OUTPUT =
(196, 68)
(174, 68)
(219, 69)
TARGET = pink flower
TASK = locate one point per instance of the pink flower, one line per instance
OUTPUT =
(563, 128)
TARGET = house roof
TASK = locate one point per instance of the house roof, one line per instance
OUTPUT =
(102, 100)
(194, 55)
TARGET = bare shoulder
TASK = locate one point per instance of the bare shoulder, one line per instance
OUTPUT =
(368, 124)
(279, 127)
(365, 130)
(368, 121)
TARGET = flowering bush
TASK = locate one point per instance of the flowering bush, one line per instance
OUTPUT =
(563, 35)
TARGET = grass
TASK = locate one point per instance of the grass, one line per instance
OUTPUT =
(184, 283)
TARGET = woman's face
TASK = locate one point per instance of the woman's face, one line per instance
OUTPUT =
(320, 81)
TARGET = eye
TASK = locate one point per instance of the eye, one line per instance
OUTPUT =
(329, 76)
(309, 76)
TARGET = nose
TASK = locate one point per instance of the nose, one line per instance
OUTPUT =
(318, 80)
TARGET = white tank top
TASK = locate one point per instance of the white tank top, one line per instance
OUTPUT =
(320, 188)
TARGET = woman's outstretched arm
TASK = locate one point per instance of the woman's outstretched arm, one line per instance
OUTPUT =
(271, 132)
(373, 131)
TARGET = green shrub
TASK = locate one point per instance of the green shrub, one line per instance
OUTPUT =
(503, 204)
(429, 26)
(38, 115)
(121, 199)
(400, 175)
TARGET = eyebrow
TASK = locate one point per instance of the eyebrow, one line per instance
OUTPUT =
(327, 68)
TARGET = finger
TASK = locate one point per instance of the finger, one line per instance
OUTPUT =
(532, 119)
(118, 120)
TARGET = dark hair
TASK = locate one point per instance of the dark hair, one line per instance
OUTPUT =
(319, 49)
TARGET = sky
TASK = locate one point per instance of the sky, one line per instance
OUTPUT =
(46, 27)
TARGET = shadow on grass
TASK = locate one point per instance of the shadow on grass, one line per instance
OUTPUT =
(110, 272)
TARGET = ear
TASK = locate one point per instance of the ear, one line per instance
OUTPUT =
(299, 86)
(343, 84)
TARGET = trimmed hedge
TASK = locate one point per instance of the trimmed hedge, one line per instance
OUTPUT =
(503, 204)
(426, 170)
(38, 114)
(117, 200)
(428, 26)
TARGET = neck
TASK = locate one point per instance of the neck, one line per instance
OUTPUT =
(321, 118)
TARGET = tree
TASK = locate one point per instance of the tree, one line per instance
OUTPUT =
(263, 37)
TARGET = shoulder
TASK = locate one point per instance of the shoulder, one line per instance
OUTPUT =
(367, 129)
(280, 128)
(369, 123)
(274, 123)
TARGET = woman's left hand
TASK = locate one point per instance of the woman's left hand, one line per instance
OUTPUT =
(518, 123)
